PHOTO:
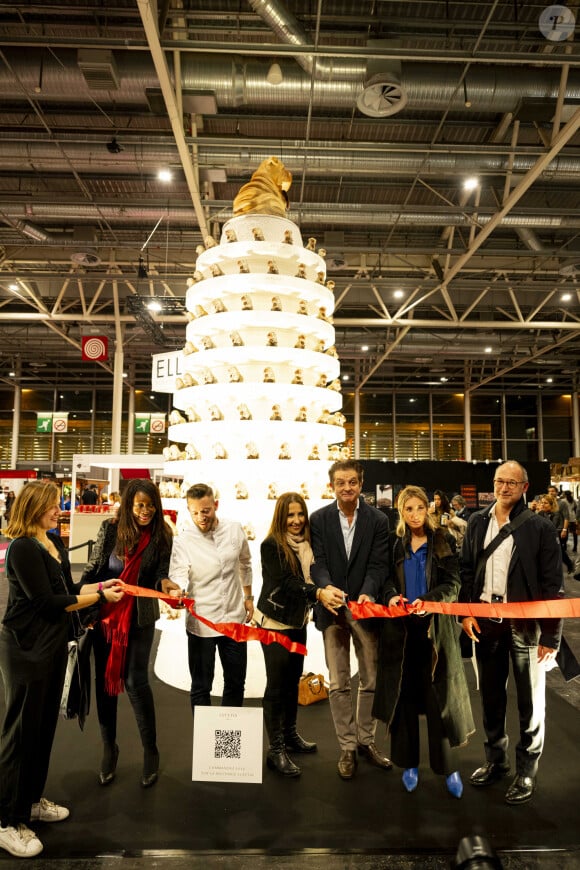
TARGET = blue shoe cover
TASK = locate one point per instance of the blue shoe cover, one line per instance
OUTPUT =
(454, 784)
(410, 778)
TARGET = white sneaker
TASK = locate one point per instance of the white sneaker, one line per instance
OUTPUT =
(48, 811)
(20, 841)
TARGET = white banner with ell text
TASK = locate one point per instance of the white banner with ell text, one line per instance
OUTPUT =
(166, 367)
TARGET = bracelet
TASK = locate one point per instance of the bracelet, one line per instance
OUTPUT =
(101, 595)
(100, 586)
(248, 597)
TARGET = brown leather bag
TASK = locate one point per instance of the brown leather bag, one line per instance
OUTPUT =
(311, 689)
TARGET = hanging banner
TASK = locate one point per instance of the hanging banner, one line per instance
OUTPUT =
(142, 424)
(166, 367)
(157, 425)
(94, 348)
(44, 421)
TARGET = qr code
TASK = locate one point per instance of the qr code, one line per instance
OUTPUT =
(228, 744)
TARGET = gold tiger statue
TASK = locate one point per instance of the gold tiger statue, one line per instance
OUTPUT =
(267, 190)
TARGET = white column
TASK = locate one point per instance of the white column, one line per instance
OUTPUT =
(357, 423)
(131, 420)
(540, 424)
(17, 409)
(467, 424)
(117, 377)
(117, 400)
(504, 440)
(575, 424)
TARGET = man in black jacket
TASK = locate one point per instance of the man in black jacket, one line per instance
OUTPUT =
(350, 542)
(526, 566)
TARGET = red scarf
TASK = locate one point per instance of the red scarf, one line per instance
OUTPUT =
(116, 620)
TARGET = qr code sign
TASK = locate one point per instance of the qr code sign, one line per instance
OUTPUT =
(228, 744)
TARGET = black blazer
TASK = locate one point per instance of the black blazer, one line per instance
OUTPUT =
(535, 569)
(365, 572)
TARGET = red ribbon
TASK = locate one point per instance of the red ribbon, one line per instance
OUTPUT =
(236, 630)
(559, 608)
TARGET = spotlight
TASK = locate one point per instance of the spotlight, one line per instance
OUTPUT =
(113, 147)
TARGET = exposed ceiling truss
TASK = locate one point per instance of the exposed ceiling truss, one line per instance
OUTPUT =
(382, 112)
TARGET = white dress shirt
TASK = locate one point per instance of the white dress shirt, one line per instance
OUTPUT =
(213, 567)
(497, 565)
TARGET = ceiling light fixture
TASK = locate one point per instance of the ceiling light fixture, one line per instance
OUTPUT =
(274, 76)
(364, 347)
(470, 183)
(154, 305)
(488, 349)
(398, 294)
(565, 297)
(165, 175)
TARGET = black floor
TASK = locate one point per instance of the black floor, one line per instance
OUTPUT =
(317, 821)
(371, 815)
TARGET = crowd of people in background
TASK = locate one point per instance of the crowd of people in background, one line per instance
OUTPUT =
(312, 568)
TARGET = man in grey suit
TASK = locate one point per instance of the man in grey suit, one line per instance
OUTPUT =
(350, 544)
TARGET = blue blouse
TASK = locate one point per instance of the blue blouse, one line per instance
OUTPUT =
(415, 575)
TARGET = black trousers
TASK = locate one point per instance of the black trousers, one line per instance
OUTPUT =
(417, 697)
(515, 640)
(201, 656)
(136, 684)
(283, 670)
(30, 721)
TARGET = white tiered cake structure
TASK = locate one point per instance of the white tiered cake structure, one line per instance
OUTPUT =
(258, 402)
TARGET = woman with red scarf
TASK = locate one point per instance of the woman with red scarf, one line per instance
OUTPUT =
(135, 546)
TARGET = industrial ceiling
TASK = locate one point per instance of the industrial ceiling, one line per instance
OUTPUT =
(381, 110)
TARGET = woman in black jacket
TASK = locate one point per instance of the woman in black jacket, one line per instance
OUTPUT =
(420, 668)
(549, 509)
(284, 605)
(34, 636)
(135, 545)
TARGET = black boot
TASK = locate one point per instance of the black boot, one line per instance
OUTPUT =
(295, 743)
(150, 767)
(277, 758)
(144, 709)
(108, 763)
(292, 739)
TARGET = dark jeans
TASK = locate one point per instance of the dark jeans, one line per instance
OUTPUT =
(565, 557)
(233, 656)
(136, 683)
(417, 696)
(498, 643)
(26, 741)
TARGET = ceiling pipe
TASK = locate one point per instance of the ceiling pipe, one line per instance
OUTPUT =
(353, 213)
(238, 83)
(290, 32)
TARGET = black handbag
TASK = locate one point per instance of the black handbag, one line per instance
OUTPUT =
(75, 702)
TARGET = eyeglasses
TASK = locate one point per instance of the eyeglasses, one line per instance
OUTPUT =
(509, 483)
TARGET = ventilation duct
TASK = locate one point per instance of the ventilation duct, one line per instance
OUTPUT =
(32, 232)
(382, 94)
(99, 69)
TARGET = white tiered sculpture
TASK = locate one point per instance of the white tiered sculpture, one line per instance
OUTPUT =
(258, 405)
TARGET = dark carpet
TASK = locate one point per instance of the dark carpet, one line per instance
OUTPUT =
(371, 814)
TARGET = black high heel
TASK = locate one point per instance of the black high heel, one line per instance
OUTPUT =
(109, 764)
(150, 768)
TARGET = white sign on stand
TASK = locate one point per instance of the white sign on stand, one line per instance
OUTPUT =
(227, 744)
